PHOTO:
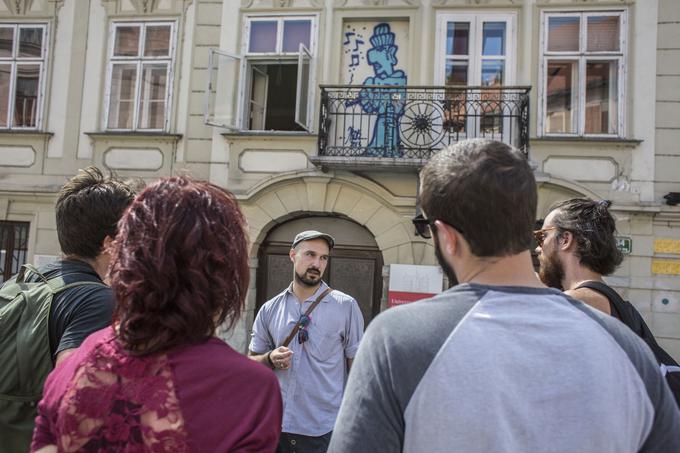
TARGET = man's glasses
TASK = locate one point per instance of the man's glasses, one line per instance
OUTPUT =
(539, 235)
(303, 334)
(424, 226)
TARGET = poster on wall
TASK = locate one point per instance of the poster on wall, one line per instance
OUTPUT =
(409, 283)
(374, 55)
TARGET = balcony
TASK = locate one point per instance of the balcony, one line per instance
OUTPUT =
(394, 128)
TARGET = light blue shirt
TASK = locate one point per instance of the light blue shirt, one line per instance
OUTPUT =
(312, 387)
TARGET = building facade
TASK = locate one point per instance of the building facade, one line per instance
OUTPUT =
(319, 113)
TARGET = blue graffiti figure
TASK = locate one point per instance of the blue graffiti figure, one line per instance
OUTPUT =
(386, 103)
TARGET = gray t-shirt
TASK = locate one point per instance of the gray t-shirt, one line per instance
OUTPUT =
(504, 369)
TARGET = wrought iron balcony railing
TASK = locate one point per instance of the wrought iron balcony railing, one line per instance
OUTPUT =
(414, 122)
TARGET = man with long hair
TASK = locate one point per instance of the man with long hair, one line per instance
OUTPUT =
(576, 249)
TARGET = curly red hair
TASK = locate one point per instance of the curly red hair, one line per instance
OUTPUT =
(179, 265)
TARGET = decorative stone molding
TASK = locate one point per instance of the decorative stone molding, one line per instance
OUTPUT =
(474, 2)
(282, 3)
(114, 7)
(584, 2)
(27, 7)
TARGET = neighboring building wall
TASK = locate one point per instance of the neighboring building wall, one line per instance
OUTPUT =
(665, 231)
(35, 162)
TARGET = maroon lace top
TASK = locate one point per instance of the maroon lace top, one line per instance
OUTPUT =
(199, 398)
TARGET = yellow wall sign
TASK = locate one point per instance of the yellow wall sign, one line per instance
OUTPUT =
(666, 267)
(671, 246)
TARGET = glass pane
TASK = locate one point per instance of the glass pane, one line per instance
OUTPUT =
(561, 96)
(157, 41)
(294, 33)
(127, 41)
(492, 72)
(301, 112)
(563, 34)
(121, 104)
(603, 33)
(601, 97)
(5, 77)
(262, 36)
(30, 42)
(26, 95)
(457, 72)
(152, 101)
(493, 38)
(6, 42)
(457, 38)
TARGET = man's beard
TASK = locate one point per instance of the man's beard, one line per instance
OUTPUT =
(304, 280)
(551, 271)
(448, 270)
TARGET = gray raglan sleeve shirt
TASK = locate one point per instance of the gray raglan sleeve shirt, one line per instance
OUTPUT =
(401, 344)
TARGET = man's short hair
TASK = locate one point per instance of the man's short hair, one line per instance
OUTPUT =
(88, 209)
(594, 231)
(486, 190)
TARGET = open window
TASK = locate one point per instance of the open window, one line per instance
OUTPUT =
(221, 106)
(304, 84)
(277, 85)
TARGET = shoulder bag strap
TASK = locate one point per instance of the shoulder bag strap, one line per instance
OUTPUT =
(307, 313)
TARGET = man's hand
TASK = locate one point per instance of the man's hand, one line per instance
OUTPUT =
(278, 358)
(281, 358)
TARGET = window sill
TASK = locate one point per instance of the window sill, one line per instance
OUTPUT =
(269, 134)
(34, 133)
(135, 135)
(586, 141)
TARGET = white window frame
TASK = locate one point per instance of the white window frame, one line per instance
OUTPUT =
(140, 60)
(14, 60)
(475, 56)
(248, 58)
(583, 56)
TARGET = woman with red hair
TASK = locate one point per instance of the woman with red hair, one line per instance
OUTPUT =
(159, 380)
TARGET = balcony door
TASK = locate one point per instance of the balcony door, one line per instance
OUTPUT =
(354, 267)
(476, 50)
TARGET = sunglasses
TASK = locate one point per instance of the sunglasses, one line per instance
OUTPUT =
(303, 333)
(539, 235)
(424, 226)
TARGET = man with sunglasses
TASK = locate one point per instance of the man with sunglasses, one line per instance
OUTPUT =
(500, 362)
(324, 328)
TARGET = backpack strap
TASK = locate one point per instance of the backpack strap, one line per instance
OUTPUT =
(617, 304)
(57, 285)
(32, 269)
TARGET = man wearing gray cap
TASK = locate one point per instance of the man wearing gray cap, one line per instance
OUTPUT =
(309, 335)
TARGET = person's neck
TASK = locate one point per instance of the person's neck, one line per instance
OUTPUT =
(304, 292)
(512, 270)
(575, 274)
(99, 264)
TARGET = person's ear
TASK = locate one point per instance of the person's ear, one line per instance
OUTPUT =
(566, 240)
(448, 237)
(291, 254)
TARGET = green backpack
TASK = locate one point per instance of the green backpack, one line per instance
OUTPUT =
(25, 358)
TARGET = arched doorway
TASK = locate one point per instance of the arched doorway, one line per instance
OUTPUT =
(355, 265)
